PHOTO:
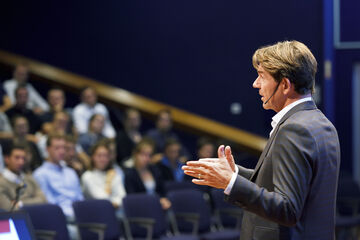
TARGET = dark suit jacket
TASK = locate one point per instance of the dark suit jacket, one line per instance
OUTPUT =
(291, 193)
(134, 184)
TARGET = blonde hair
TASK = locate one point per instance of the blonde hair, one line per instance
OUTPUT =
(288, 59)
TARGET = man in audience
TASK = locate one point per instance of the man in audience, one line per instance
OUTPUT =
(162, 133)
(72, 158)
(60, 183)
(56, 100)
(15, 182)
(87, 108)
(20, 77)
(20, 108)
(129, 136)
(170, 165)
(21, 135)
(205, 148)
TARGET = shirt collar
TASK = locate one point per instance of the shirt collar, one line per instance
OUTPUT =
(276, 119)
(54, 166)
(12, 177)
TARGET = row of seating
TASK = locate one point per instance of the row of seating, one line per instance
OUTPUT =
(190, 217)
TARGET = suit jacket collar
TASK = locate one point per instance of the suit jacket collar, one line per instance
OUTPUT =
(309, 105)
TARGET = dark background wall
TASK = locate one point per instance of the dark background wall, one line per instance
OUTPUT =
(195, 55)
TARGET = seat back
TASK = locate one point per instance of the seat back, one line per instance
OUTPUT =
(220, 207)
(97, 211)
(142, 205)
(48, 217)
(190, 201)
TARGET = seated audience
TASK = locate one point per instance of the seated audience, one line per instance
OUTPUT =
(170, 165)
(205, 148)
(129, 136)
(162, 133)
(14, 178)
(20, 108)
(144, 177)
(94, 133)
(87, 108)
(60, 183)
(20, 77)
(74, 159)
(56, 100)
(21, 135)
(102, 181)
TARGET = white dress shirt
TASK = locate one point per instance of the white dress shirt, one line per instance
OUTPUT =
(34, 100)
(82, 114)
(275, 121)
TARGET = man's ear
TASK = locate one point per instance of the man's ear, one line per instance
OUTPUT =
(287, 86)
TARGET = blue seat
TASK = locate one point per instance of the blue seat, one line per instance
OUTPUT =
(193, 214)
(49, 221)
(226, 214)
(96, 219)
(147, 219)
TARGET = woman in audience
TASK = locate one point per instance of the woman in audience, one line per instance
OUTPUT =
(144, 177)
(94, 133)
(102, 181)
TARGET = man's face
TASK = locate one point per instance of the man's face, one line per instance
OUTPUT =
(56, 99)
(133, 120)
(164, 122)
(21, 127)
(16, 161)
(172, 152)
(89, 96)
(206, 151)
(56, 150)
(21, 74)
(21, 97)
(267, 85)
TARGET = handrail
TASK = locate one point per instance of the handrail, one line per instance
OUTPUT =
(188, 121)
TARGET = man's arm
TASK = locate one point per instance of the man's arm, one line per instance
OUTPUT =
(292, 172)
(37, 197)
(245, 172)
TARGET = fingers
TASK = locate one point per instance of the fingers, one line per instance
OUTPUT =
(229, 157)
(200, 181)
(221, 153)
(201, 163)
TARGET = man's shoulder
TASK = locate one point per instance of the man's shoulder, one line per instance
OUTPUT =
(9, 83)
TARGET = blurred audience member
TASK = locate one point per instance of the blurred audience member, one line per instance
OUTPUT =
(5, 127)
(144, 177)
(102, 180)
(59, 125)
(129, 136)
(20, 108)
(21, 136)
(87, 108)
(56, 100)
(94, 133)
(20, 77)
(111, 145)
(5, 102)
(59, 182)
(170, 165)
(14, 181)
(162, 133)
(205, 148)
(74, 159)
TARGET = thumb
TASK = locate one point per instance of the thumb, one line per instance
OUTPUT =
(221, 151)
(230, 158)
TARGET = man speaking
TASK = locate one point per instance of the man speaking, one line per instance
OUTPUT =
(291, 193)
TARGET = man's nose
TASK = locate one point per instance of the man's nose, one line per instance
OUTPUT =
(256, 83)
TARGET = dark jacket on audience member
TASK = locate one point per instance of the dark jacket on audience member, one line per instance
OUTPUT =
(134, 184)
(124, 146)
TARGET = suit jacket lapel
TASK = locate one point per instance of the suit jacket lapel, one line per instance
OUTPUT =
(309, 105)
